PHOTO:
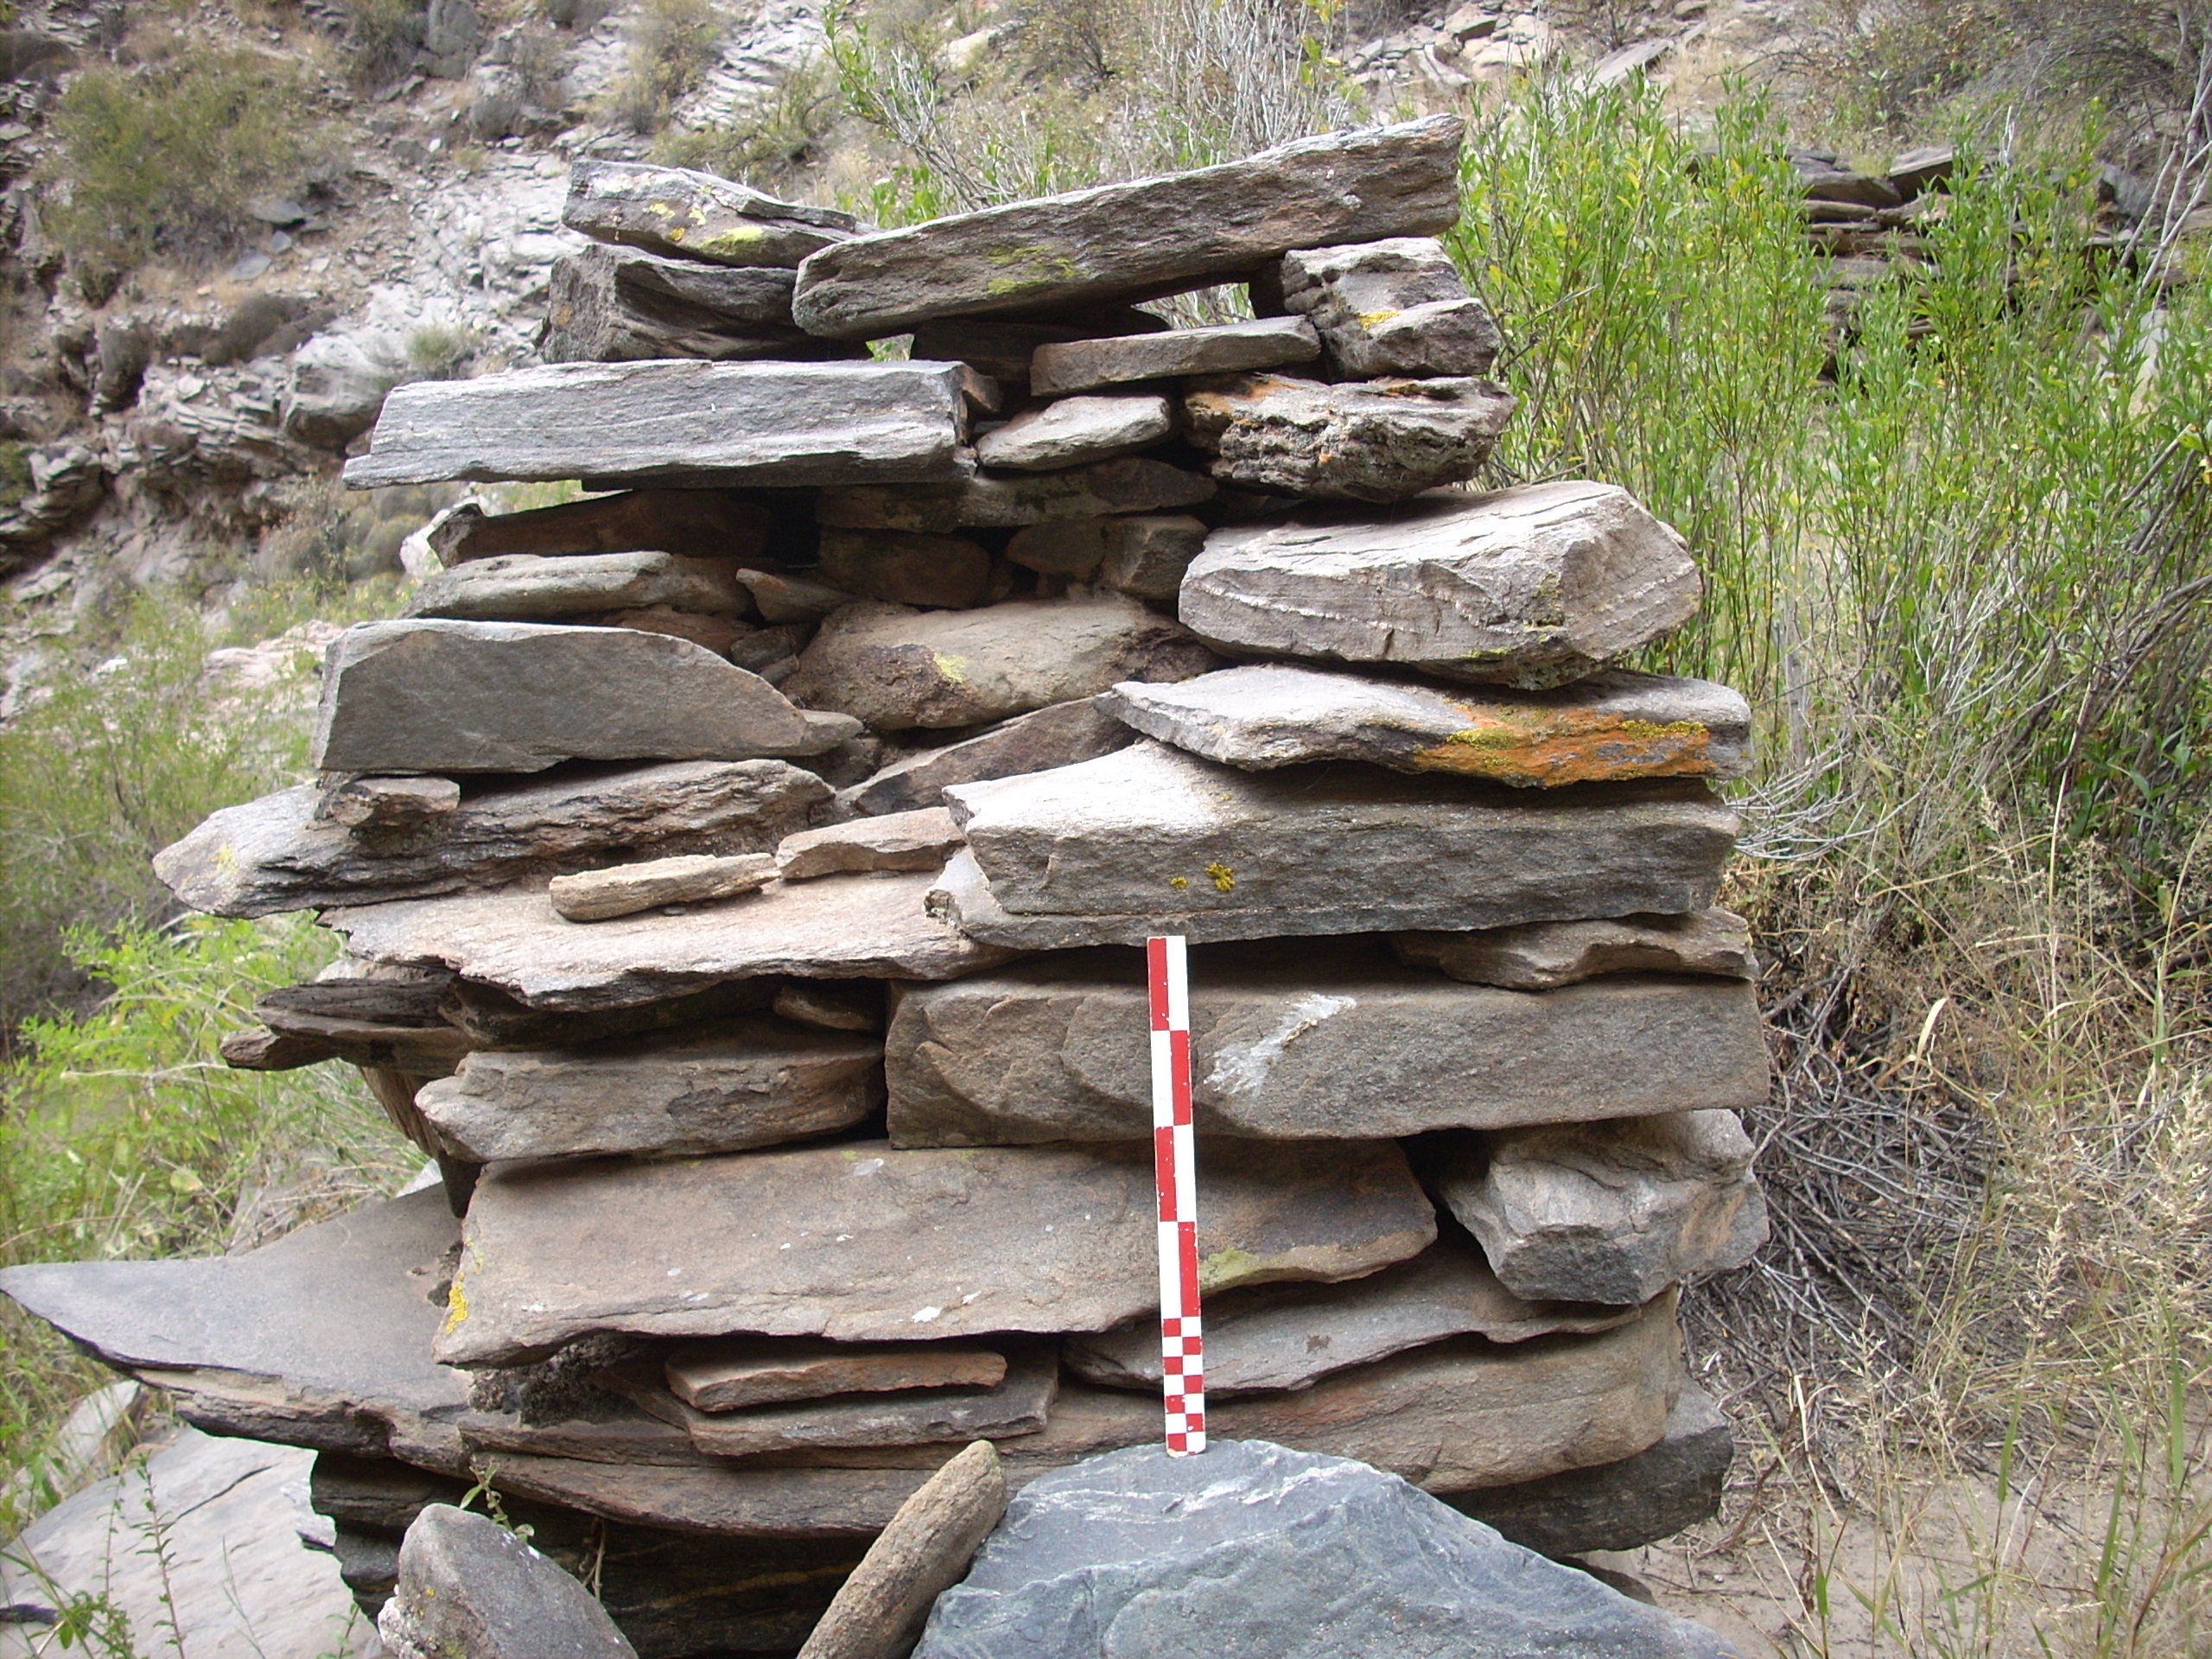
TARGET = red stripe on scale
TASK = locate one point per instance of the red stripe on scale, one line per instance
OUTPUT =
(1182, 1351)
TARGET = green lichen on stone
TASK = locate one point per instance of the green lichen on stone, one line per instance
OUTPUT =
(1225, 1268)
(1647, 730)
(736, 240)
(1484, 737)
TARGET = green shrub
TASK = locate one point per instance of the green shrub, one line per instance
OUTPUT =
(672, 45)
(770, 146)
(15, 473)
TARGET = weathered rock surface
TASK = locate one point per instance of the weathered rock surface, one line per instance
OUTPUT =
(1002, 346)
(1613, 1212)
(1223, 348)
(1397, 307)
(1143, 554)
(397, 1024)
(861, 1243)
(895, 841)
(1056, 1049)
(276, 854)
(852, 1005)
(1253, 1551)
(674, 210)
(723, 1088)
(781, 423)
(1057, 735)
(380, 805)
(521, 697)
(905, 568)
(770, 1370)
(1359, 440)
(860, 926)
(1075, 432)
(610, 305)
(1151, 840)
(1533, 585)
(1291, 1336)
(470, 1589)
(878, 1613)
(1138, 240)
(1542, 956)
(1017, 1404)
(1613, 727)
(697, 523)
(625, 889)
(895, 669)
(529, 588)
(1132, 484)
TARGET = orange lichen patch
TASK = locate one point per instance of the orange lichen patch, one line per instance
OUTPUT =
(1549, 748)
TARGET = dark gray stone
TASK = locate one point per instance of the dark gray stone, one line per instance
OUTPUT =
(697, 523)
(616, 305)
(1543, 956)
(1391, 308)
(470, 1589)
(1359, 440)
(1057, 735)
(893, 841)
(528, 587)
(601, 895)
(1002, 346)
(1224, 349)
(1076, 432)
(675, 210)
(1132, 484)
(741, 1372)
(902, 568)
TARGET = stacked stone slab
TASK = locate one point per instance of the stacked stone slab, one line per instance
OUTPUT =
(743, 872)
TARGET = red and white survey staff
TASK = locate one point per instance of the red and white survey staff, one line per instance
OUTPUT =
(1182, 1349)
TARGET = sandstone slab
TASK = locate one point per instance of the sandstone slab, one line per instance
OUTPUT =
(894, 841)
(895, 669)
(531, 588)
(905, 569)
(1075, 432)
(521, 697)
(744, 1371)
(1613, 727)
(470, 1589)
(617, 305)
(1396, 306)
(723, 1088)
(625, 889)
(1134, 484)
(696, 524)
(676, 210)
(1533, 585)
(1058, 734)
(1358, 441)
(1542, 955)
(862, 1242)
(1283, 1048)
(761, 423)
(1223, 348)
(1141, 239)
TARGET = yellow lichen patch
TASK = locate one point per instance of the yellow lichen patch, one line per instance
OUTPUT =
(1549, 748)
(738, 239)
(954, 668)
(456, 1306)
(1225, 1268)
(1375, 318)
(1181, 883)
(1224, 878)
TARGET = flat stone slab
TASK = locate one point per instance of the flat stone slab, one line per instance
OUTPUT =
(895, 841)
(469, 1588)
(622, 305)
(1291, 1336)
(742, 1371)
(1533, 585)
(526, 587)
(1542, 955)
(1613, 727)
(1151, 840)
(861, 1243)
(677, 210)
(521, 697)
(1058, 734)
(1223, 349)
(1358, 441)
(1138, 240)
(697, 523)
(1396, 306)
(1134, 484)
(850, 927)
(625, 889)
(780, 423)
(1076, 431)
(276, 854)
(1286, 1047)
(895, 670)
(732, 1085)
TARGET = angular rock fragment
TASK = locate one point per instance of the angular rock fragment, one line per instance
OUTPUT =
(1612, 728)
(528, 587)
(696, 524)
(1002, 347)
(1138, 240)
(896, 669)
(861, 1243)
(274, 854)
(905, 568)
(1052, 1050)
(771, 1371)
(383, 804)
(256, 1048)
(1144, 555)
(780, 423)
(1397, 307)
(1532, 587)
(1075, 432)
(674, 210)
(720, 634)
(1223, 348)
(1540, 955)
(856, 1005)
(1133, 485)
(1360, 440)
(371, 1022)
(1613, 1213)
(1058, 734)
(492, 1019)
(719, 1088)
(504, 696)
(625, 889)
(894, 841)
(610, 305)
(1151, 840)
(470, 1589)
(790, 599)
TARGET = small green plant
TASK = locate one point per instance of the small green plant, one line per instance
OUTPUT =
(441, 350)
(382, 40)
(15, 473)
(672, 45)
(770, 145)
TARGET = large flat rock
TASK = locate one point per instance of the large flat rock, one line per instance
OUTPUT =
(277, 853)
(1076, 432)
(1223, 349)
(1058, 734)
(1357, 441)
(1542, 955)
(780, 423)
(532, 588)
(1151, 840)
(1287, 1047)
(840, 927)
(1613, 727)
(1533, 585)
(520, 696)
(863, 1243)
(678, 210)
(619, 305)
(1138, 240)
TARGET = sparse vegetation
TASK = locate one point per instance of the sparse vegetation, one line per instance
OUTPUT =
(672, 45)
(382, 38)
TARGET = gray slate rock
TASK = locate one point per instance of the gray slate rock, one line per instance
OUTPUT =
(1360, 440)
(727, 423)
(381, 806)
(1613, 727)
(895, 670)
(1151, 840)
(1397, 307)
(1613, 1212)
(276, 854)
(677, 211)
(617, 305)
(1253, 1551)
(1223, 349)
(1534, 586)
(625, 889)
(524, 588)
(862, 1242)
(742, 1371)
(1285, 1049)
(697, 523)
(1131, 485)
(1075, 432)
(1138, 240)
(1542, 955)
(904, 569)
(893, 841)
(1143, 554)
(470, 1589)
(1058, 734)
(1001, 346)
(521, 697)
